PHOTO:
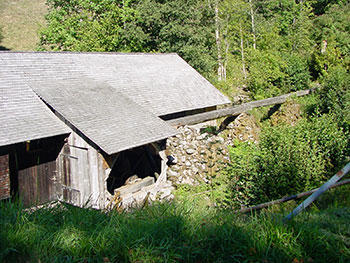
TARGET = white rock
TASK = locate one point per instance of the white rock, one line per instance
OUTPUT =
(220, 139)
(165, 192)
(172, 173)
(202, 136)
(190, 151)
(186, 180)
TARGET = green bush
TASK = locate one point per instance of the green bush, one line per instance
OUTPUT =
(265, 73)
(297, 73)
(272, 73)
(335, 95)
(288, 160)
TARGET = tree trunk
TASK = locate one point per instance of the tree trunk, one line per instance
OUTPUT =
(221, 67)
(242, 52)
(253, 23)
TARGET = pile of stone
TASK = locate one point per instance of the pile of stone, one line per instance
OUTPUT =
(200, 152)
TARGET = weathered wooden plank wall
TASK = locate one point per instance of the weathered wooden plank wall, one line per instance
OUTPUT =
(83, 173)
(33, 170)
(36, 184)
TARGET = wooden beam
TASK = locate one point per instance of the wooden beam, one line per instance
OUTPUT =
(132, 188)
(235, 110)
(287, 198)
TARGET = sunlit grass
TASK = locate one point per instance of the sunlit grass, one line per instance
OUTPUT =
(171, 233)
(20, 21)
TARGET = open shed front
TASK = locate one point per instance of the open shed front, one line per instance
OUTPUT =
(89, 177)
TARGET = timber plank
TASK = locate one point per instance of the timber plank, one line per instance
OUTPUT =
(235, 110)
(132, 188)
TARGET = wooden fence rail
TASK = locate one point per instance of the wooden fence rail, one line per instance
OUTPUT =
(287, 198)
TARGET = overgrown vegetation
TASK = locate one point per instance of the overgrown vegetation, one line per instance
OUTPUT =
(335, 96)
(295, 158)
(169, 233)
(287, 160)
(264, 47)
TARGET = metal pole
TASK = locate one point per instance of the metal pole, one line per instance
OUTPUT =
(320, 191)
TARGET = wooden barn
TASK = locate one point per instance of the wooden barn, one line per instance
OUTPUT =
(76, 126)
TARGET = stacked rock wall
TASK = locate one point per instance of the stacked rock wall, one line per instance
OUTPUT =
(201, 151)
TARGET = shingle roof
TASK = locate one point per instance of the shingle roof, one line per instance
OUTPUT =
(23, 116)
(113, 99)
(161, 83)
(108, 118)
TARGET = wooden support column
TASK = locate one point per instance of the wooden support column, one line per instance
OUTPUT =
(5, 191)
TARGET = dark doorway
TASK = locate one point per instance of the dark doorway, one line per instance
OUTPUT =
(141, 161)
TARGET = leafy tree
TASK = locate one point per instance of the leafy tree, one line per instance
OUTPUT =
(83, 25)
(184, 27)
(272, 40)
(265, 73)
(335, 96)
(296, 72)
(332, 35)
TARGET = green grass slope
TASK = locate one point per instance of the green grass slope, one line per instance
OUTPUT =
(20, 21)
(171, 233)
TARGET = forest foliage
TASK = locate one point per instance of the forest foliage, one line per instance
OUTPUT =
(265, 47)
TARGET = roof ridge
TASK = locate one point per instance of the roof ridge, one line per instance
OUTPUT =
(87, 52)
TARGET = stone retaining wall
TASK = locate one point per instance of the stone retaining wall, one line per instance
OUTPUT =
(200, 152)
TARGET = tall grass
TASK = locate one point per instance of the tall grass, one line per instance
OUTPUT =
(170, 233)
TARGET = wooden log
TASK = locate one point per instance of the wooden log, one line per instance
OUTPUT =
(287, 198)
(235, 110)
(132, 188)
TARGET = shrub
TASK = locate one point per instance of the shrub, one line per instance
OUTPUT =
(335, 95)
(265, 73)
(297, 73)
(288, 160)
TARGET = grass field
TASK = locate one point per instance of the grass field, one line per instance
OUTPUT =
(171, 233)
(20, 20)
